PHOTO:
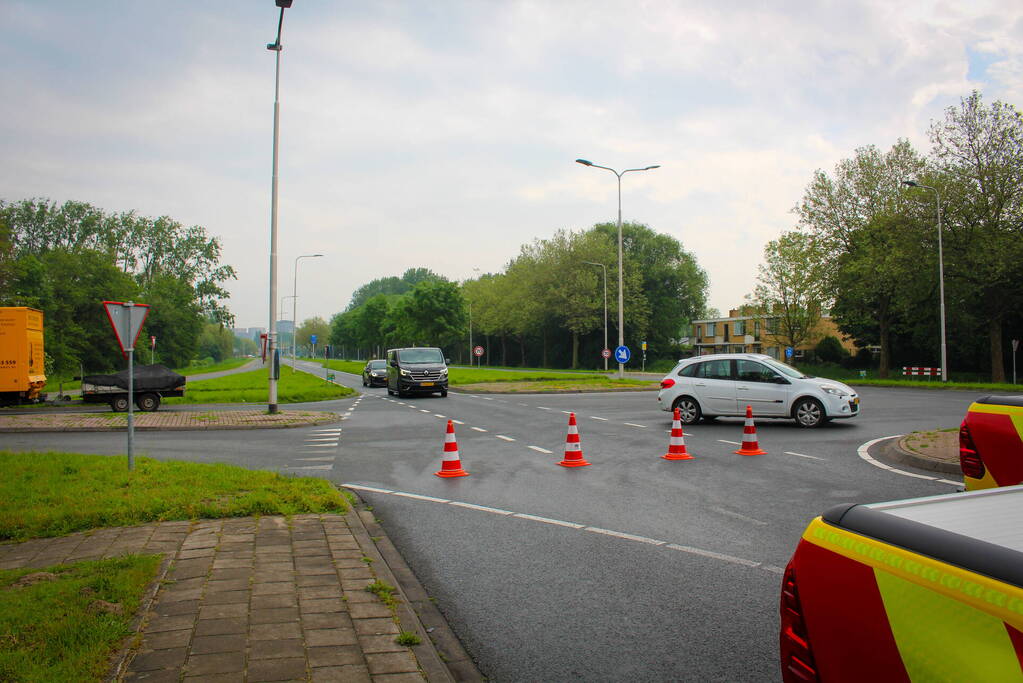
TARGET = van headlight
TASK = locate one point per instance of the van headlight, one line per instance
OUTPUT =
(444, 372)
(405, 373)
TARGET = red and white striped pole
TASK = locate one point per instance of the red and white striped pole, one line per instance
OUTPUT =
(749, 436)
(451, 466)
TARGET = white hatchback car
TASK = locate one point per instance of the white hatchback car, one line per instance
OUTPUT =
(724, 384)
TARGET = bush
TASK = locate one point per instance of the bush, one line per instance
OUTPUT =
(830, 350)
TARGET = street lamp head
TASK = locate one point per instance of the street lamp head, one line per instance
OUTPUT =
(584, 162)
(652, 167)
(284, 4)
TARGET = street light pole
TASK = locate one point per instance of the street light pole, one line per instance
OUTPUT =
(272, 332)
(941, 276)
(621, 289)
(605, 307)
(294, 308)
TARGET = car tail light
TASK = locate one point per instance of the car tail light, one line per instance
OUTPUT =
(969, 459)
(797, 663)
(667, 383)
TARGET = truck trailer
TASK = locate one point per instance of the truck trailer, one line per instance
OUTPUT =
(22, 358)
(152, 382)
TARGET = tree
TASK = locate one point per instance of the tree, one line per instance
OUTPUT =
(790, 289)
(215, 341)
(175, 319)
(980, 149)
(434, 314)
(309, 327)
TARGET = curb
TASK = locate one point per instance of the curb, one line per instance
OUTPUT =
(892, 451)
(440, 653)
(321, 418)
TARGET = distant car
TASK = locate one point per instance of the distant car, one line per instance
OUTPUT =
(375, 374)
(722, 385)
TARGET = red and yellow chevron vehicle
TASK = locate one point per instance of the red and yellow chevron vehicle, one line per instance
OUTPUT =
(918, 590)
(991, 443)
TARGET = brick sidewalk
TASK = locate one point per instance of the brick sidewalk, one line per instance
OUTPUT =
(164, 420)
(256, 599)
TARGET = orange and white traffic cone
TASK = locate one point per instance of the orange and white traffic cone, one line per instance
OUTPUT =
(749, 436)
(452, 464)
(573, 449)
(677, 443)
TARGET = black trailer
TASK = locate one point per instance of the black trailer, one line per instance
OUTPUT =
(152, 382)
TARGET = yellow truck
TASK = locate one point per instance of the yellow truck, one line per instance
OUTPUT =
(22, 372)
(929, 589)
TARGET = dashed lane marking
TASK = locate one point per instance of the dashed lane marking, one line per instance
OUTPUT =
(542, 408)
(329, 458)
(540, 450)
(635, 425)
(734, 443)
(801, 455)
(478, 429)
(594, 417)
(709, 554)
(506, 438)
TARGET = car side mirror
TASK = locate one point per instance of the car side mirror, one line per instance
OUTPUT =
(393, 363)
(447, 361)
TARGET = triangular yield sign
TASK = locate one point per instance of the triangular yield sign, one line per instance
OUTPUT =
(126, 319)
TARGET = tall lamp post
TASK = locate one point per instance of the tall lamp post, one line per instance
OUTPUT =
(941, 276)
(294, 307)
(273, 353)
(605, 305)
(621, 295)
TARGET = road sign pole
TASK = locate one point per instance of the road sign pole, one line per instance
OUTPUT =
(131, 404)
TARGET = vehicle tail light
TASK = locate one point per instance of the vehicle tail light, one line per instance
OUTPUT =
(667, 383)
(969, 459)
(797, 663)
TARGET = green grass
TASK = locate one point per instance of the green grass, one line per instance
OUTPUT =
(53, 494)
(460, 376)
(251, 387)
(51, 630)
(229, 364)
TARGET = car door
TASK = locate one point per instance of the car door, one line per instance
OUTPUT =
(762, 388)
(714, 387)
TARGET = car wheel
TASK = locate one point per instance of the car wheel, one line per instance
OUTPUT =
(389, 392)
(119, 405)
(443, 393)
(148, 402)
(809, 413)
(688, 409)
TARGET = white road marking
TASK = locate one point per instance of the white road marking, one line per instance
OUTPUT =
(734, 443)
(812, 457)
(487, 398)
(329, 458)
(323, 438)
(862, 451)
(478, 429)
(541, 450)
(443, 417)
(594, 417)
(737, 515)
(320, 445)
(567, 412)
(731, 559)
(423, 411)
(542, 408)
(312, 467)
(506, 438)
(458, 422)
(635, 425)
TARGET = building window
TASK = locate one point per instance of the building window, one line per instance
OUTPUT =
(739, 328)
(711, 329)
(756, 330)
(699, 331)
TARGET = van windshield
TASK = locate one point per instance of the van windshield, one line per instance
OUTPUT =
(421, 356)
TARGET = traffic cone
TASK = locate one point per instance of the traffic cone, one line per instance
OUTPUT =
(749, 436)
(573, 449)
(677, 443)
(452, 464)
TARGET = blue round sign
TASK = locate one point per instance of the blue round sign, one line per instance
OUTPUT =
(788, 352)
(622, 354)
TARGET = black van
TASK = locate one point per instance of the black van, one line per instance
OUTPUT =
(418, 370)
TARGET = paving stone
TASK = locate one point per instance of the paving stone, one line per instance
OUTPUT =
(159, 624)
(160, 676)
(365, 610)
(277, 649)
(327, 620)
(168, 608)
(354, 573)
(332, 636)
(169, 658)
(371, 627)
(274, 616)
(207, 645)
(221, 586)
(272, 588)
(277, 670)
(225, 597)
(219, 627)
(353, 673)
(317, 580)
(274, 601)
(410, 677)
(167, 639)
(290, 629)
(334, 656)
(170, 595)
(236, 677)
(223, 611)
(378, 644)
(220, 663)
(391, 663)
(315, 592)
(322, 605)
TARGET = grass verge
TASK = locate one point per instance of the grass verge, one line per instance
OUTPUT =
(53, 494)
(250, 387)
(63, 623)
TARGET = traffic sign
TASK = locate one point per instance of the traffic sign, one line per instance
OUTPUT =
(644, 346)
(478, 351)
(622, 354)
(126, 319)
(606, 353)
(312, 338)
(788, 352)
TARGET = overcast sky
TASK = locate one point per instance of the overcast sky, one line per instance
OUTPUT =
(443, 134)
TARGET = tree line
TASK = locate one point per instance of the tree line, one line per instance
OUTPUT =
(67, 259)
(867, 245)
(545, 308)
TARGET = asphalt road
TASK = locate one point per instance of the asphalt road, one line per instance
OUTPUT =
(635, 568)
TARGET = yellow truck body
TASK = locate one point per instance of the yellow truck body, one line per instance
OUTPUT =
(22, 373)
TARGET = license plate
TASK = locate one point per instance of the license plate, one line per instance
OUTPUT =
(427, 384)
(856, 400)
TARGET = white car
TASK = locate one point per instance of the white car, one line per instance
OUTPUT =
(724, 384)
